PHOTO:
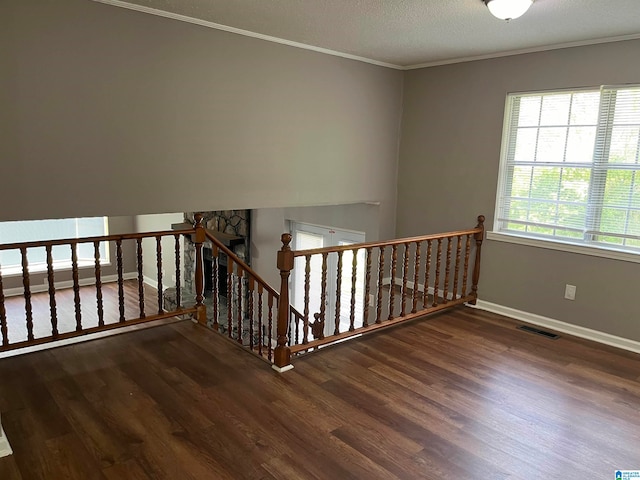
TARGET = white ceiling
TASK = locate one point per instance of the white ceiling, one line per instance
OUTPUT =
(409, 33)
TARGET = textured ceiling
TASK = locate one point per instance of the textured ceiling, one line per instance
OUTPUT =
(408, 33)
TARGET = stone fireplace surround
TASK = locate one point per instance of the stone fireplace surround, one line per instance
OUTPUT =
(235, 225)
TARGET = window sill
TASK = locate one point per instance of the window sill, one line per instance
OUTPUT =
(9, 272)
(569, 247)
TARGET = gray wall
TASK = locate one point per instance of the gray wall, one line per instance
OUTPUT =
(450, 152)
(116, 112)
(157, 223)
(268, 224)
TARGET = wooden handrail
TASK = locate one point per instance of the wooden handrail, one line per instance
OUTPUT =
(103, 238)
(387, 243)
(403, 293)
(258, 279)
(80, 327)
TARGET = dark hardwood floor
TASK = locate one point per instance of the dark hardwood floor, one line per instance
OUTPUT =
(461, 395)
(65, 309)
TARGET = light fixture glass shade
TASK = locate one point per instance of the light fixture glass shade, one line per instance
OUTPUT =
(508, 9)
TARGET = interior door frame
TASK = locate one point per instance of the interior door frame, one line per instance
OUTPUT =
(332, 236)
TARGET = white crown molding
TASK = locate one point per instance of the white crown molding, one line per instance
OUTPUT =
(326, 51)
(246, 33)
(559, 326)
(522, 51)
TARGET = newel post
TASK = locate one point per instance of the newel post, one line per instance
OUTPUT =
(282, 353)
(479, 236)
(201, 309)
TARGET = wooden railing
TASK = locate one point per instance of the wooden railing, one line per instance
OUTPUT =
(246, 309)
(346, 291)
(119, 318)
(380, 284)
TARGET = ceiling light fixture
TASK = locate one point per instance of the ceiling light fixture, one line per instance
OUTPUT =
(508, 9)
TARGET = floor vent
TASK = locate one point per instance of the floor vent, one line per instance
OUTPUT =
(537, 331)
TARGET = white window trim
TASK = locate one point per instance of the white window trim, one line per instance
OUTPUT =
(569, 247)
(16, 271)
(581, 248)
(61, 266)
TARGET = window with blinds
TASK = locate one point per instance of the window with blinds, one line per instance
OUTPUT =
(570, 167)
(40, 230)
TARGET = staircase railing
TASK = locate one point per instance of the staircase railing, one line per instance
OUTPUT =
(345, 291)
(103, 319)
(247, 311)
(394, 285)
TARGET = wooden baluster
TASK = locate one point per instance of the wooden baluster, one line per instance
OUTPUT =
(120, 279)
(52, 292)
(250, 310)
(297, 331)
(392, 282)
(239, 303)
(447, 274)
(140, 279)
(27, 293)
(456, 276)
(76, 286)
(215, 293)
(436, 286)
(3, 315)
(465, 272)
(229, 297)
(200, 236)
(159, 268)
(270, 328)
(405, 273)
(323, 290)
(367, 290)
(336, 330)
(354, 273)
(260, 321)
(427, 272)
(282, 354)
(307, 284)
(380, 286)
(476, 267)
(178, 286)
(416, 278)
(98, 274)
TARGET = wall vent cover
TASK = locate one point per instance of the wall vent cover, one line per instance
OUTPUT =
(537, 331)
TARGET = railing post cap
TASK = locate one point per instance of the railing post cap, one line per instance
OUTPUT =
(285, 238)
(480, 219)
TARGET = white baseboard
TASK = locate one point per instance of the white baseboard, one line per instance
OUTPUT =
(559, 326)
(151, 282)
(410, 284)
(5, 448)
(44, 287)
(286, 368)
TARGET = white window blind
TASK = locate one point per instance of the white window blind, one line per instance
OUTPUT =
(38, 230)
(570, 167)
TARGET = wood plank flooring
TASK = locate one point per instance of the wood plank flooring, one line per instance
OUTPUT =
(460, 395)
(65, 308)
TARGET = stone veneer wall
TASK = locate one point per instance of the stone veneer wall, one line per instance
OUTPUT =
(231, 222)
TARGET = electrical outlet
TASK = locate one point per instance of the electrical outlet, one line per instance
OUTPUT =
(371, 300)
(570, 292)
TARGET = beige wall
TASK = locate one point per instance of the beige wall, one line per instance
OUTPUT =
(450, 151)
(110, 111)
(158, 223)
(268, 224)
